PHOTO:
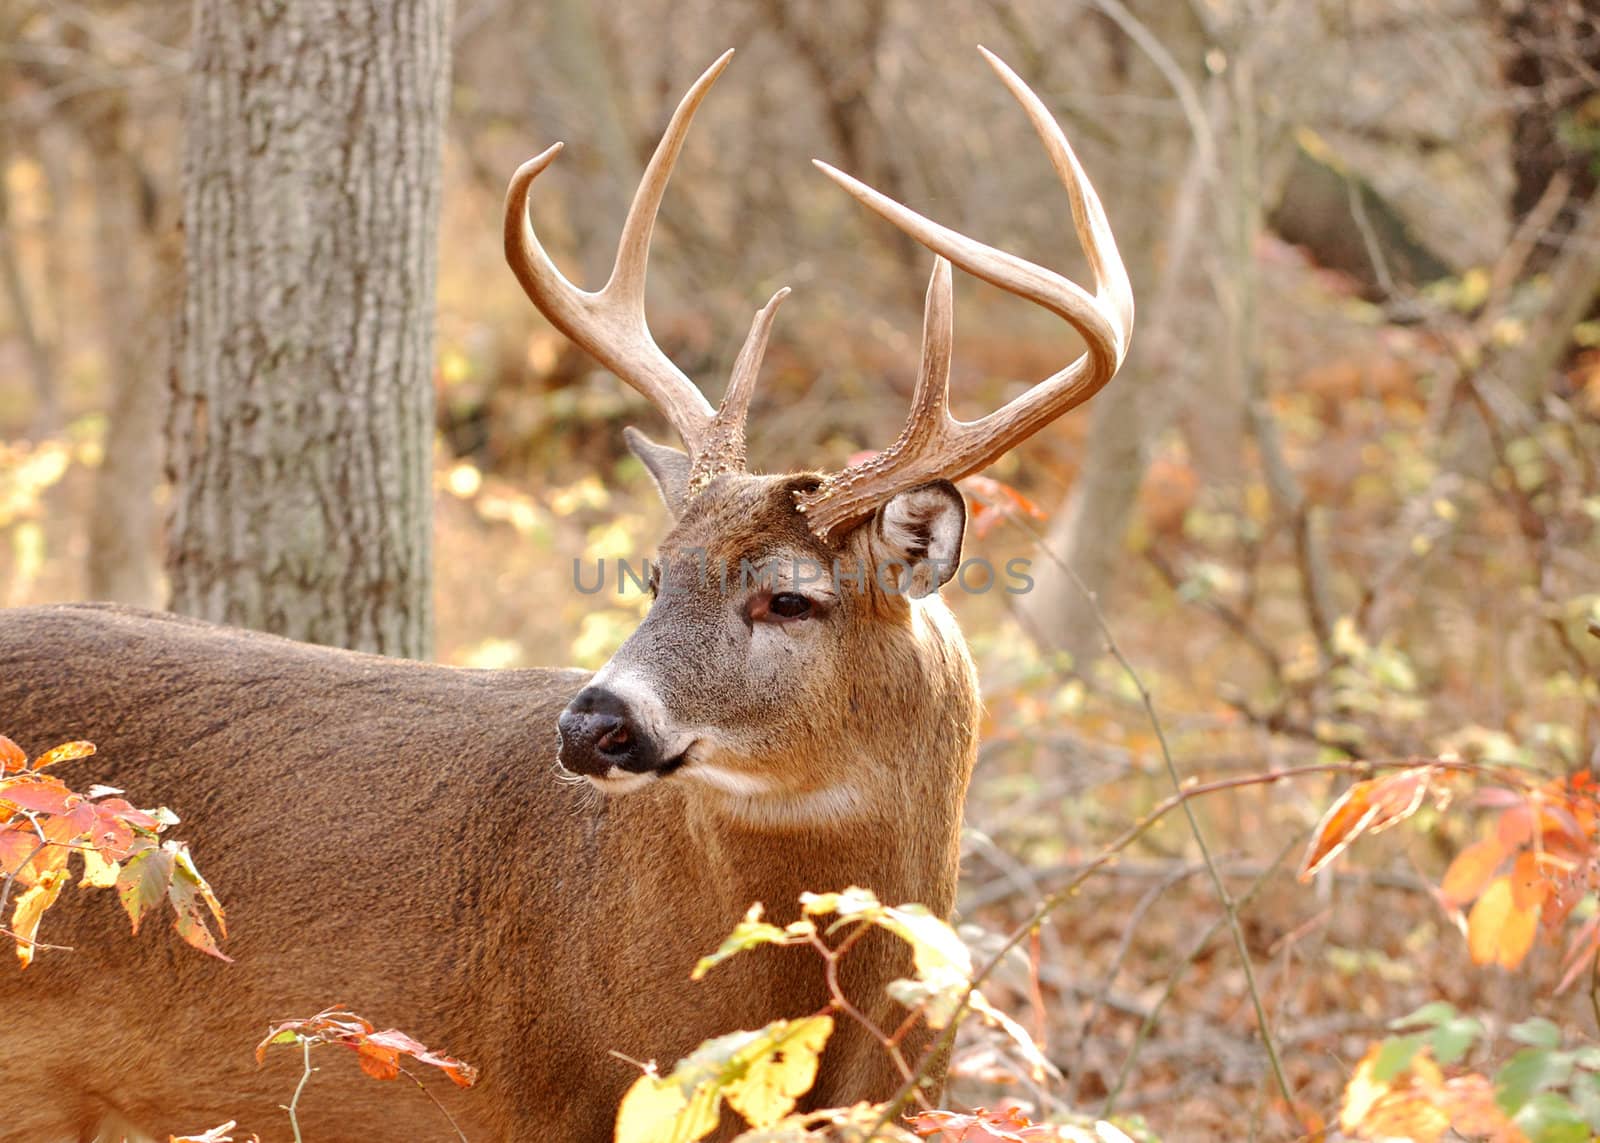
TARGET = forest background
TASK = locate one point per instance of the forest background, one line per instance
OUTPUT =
(1339, 511)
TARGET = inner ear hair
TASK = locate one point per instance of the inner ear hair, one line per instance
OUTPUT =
(667, 466)
(923, 528)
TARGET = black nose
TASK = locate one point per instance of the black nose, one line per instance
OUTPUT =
(598, 732)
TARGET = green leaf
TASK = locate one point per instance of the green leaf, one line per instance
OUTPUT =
(143, 881)
(1586, 1097)
(1525, 1073)
(1549, 1118)
(1452, 1039)
(1429, 1015)
(1536, 1033)
(1395, 1056)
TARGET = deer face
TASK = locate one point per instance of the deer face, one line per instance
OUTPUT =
(765, 648)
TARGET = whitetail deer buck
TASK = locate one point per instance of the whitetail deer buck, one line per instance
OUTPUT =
(398, 837)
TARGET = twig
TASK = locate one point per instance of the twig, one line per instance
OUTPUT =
(433, 1099)
(294, 1103)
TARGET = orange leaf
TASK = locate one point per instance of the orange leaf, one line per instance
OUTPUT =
(66, 752)
(1366, 807)
(378, 1061)
(1515, 826)
(1469, 1102)
(1409, 1114)
(1362, 1092)
(994, 500)
(1528, 883)
(1471, 871)
(11, 755)
(1342, 824)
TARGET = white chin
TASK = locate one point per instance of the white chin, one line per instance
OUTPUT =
(619, 781)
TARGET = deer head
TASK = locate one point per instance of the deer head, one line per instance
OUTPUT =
(822, 620)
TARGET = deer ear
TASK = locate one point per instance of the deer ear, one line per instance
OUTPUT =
(668, 467)
(921, 530)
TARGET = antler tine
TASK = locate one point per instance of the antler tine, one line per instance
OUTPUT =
(934, 444)
(610, 323)
(633, 248)
(722, 449)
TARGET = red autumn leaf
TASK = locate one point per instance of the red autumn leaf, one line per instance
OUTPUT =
(64, 829)
(11, 755)
(111, 834)
(1558, 824)
(994, 501)
(124, 811)
(37, 795)
(1515, 826)
(1471, 871)
(1496, 798)
(378, 1053)
(66, 752)
(17, 844)
(1003, 1125)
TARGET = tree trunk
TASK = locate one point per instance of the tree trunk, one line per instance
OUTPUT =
(122, 561)
(1549, 53)
(300, 430)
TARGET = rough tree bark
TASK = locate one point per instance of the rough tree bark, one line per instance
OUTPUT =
(300, 427)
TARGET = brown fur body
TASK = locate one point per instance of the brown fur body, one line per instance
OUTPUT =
(392, 836)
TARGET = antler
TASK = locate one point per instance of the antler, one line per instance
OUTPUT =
(610, 323)
(934, 445)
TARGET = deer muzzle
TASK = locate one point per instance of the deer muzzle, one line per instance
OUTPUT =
(600, 733)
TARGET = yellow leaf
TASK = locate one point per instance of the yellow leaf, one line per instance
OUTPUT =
(30, 908)
(782, 1069)
(1498, 931)
(99, 871)
(655, 1110)
(1363, 1091)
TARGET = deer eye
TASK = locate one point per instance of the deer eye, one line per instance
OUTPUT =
(789, 605)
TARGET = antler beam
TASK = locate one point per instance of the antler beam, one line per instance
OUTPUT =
(610, 322)
(934, 445)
